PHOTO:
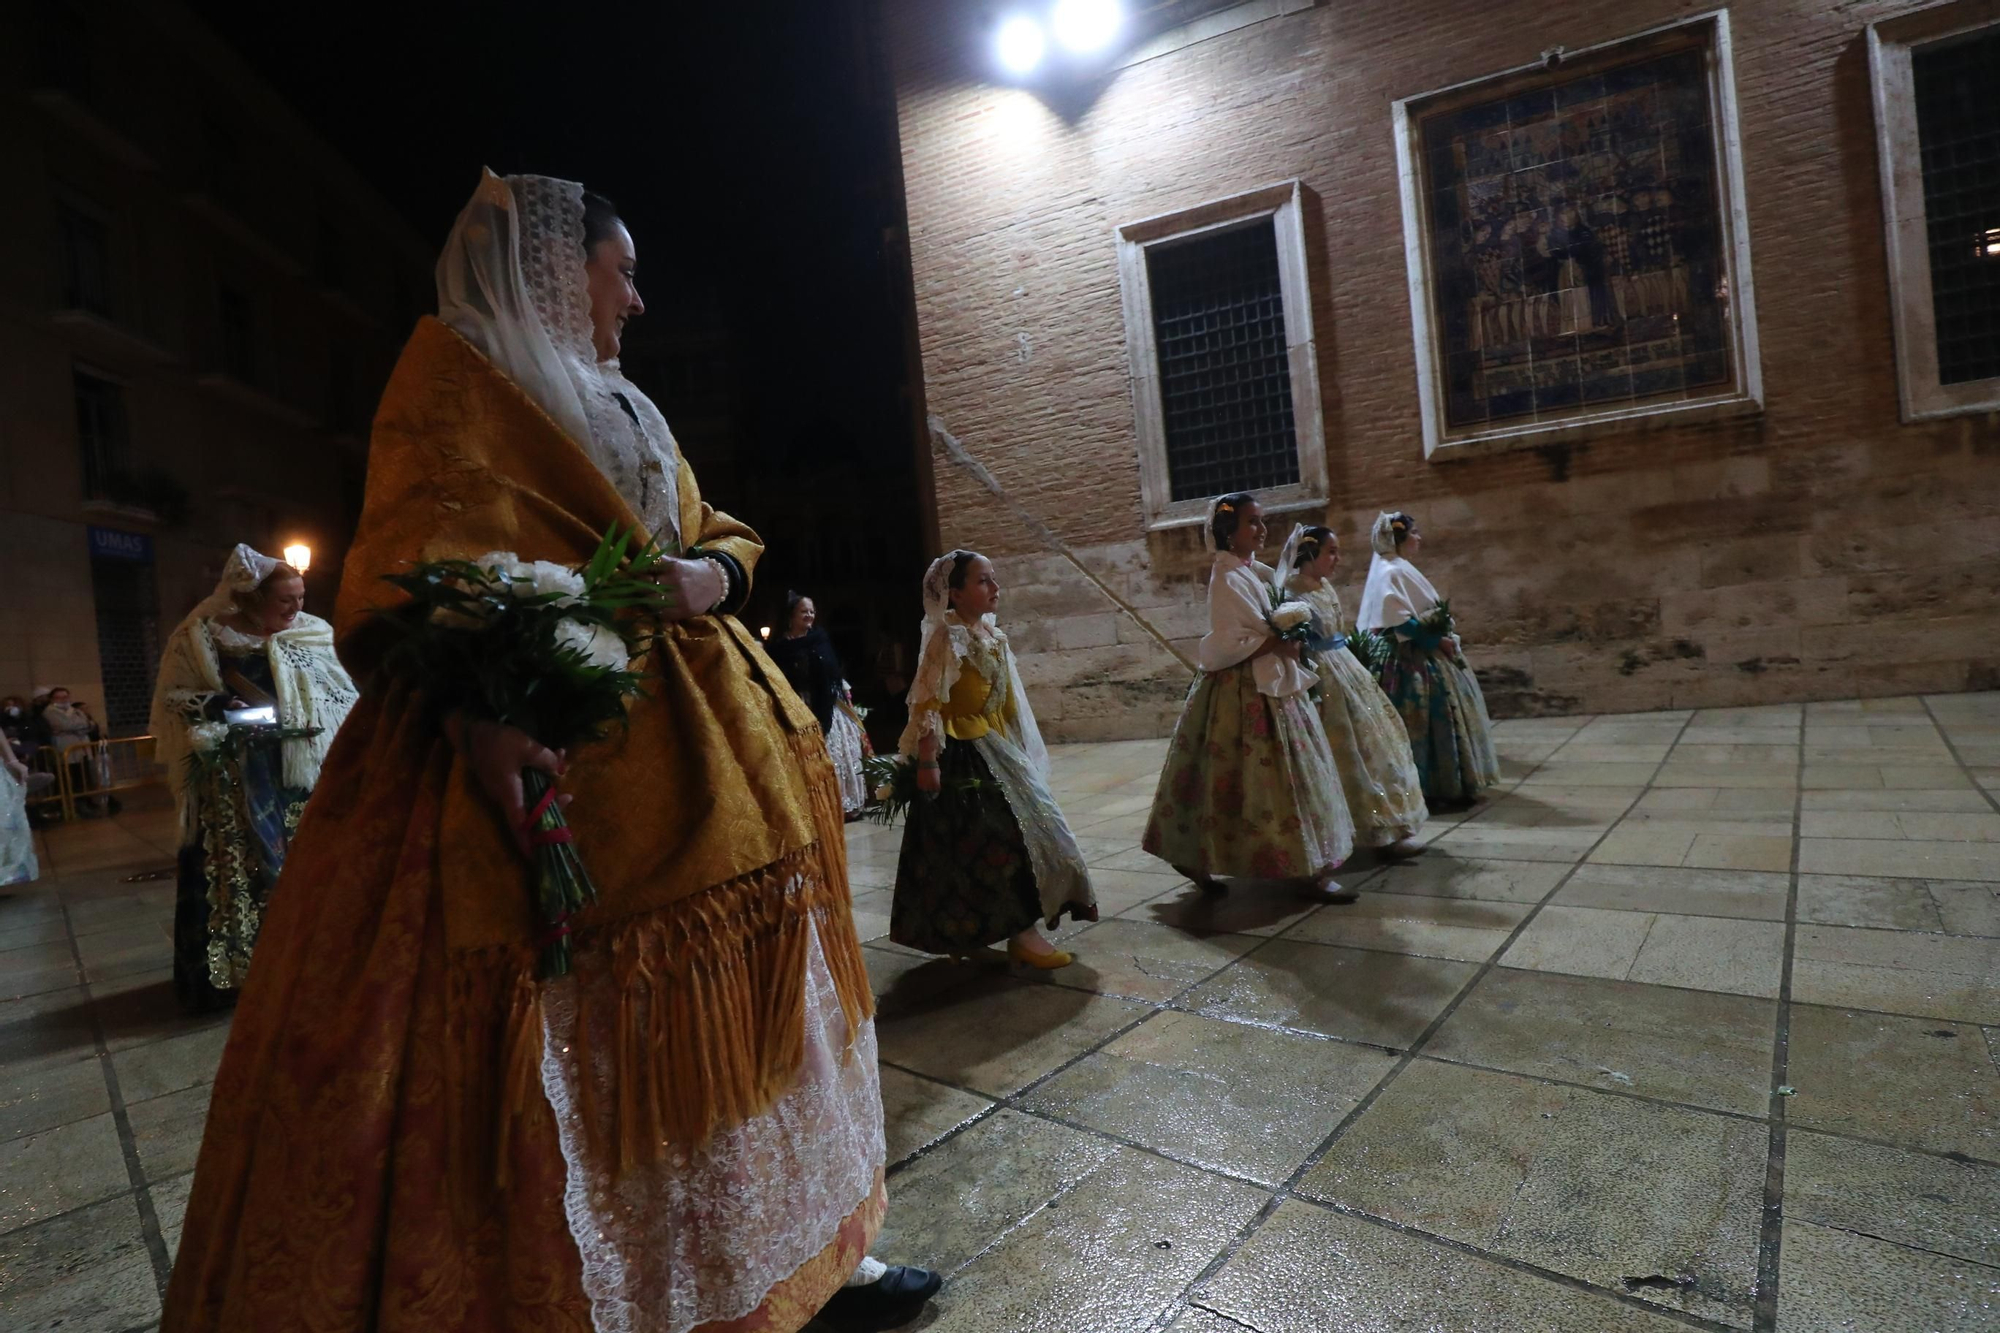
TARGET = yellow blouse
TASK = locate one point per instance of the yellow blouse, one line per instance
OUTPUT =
(977, 704)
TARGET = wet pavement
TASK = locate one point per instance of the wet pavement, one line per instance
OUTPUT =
(1694, 1024)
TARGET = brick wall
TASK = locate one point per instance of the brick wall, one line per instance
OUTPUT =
(1822, 549)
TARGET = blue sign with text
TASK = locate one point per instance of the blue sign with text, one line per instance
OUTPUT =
(111, 544)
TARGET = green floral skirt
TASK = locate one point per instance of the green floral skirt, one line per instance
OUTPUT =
(1444, 713)
(964, 879)
(1249, 790)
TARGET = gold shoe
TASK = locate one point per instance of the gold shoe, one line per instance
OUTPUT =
(1047, 962)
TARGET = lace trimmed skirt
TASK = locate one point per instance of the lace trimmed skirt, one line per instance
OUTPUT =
(1250, 789)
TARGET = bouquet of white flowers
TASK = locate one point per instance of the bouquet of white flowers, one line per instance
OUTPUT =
(1291, 621)
(542, 647)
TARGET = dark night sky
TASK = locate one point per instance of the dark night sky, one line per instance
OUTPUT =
(739, 140)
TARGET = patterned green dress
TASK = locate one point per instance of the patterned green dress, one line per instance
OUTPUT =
(1451, 735)
(1378, 774)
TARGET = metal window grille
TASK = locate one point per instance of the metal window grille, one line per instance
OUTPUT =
(102, 434)
(128, 642)
(1958, 131)
(1225, 372)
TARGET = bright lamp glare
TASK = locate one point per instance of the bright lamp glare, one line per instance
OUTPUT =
(1020, 44)
(1086, 26)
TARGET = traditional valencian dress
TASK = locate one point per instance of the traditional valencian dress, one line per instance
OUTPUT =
(239, 804)
(990, 855)
(813, 668)
(1443, 711)
(1378, 776)
(18, 863)
(1249, 789)
(409, 1131)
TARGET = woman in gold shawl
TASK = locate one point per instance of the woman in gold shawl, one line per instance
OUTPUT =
(409, 1131)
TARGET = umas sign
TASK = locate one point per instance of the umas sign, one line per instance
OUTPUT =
(111, 544)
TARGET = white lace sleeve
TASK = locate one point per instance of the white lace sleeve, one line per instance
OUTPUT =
(937, 672)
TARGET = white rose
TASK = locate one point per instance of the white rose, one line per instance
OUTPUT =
(207, 735)
(601, 646)
(506, 564)
(545, 577)
(1291, 615)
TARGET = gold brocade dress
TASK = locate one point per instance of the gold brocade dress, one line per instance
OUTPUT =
(991, 854)
(386, 1151)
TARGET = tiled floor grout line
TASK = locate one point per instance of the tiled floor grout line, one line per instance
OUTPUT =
(1015, 1102)
(121, 1120)
(1771, 1232)
(1517, 1265)
(1011, 1101)
(1957, 758)
(1368, 1099)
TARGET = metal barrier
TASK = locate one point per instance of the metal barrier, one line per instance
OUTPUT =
(45, 761)
(95, 771)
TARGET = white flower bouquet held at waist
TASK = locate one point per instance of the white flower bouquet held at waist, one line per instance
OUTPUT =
(541, 647)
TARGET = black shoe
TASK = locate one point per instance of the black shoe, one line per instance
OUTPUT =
(892, 1299)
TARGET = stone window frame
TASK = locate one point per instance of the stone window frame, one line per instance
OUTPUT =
(1284, 204)
(1892, 84)
(1748, 396)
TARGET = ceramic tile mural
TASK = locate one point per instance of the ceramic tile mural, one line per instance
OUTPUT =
(1576, 247)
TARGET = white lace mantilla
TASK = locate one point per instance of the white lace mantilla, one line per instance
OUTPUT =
(1061, 876)
(704, 1235)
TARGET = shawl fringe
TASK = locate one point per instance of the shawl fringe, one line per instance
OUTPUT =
(710, 991)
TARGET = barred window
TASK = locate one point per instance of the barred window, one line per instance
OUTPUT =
(86, 260)
(1958, 128)
(1225, 373)
(1937, 142)
(1218, 329)
(102, 435)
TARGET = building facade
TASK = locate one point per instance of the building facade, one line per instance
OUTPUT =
(199, 306)
(1602, 292)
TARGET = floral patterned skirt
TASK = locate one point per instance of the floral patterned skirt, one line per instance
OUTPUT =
(1250, 789)
(1451, 736)
(244, 819)
(1378, 775)
(965, 879)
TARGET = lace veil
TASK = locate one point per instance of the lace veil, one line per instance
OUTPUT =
(245, 569)
(1281, 573)
(511, 280)
(941, 656)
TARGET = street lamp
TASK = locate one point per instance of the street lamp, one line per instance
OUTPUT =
(299, 556)
(1085, 27)
(1020, 44)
